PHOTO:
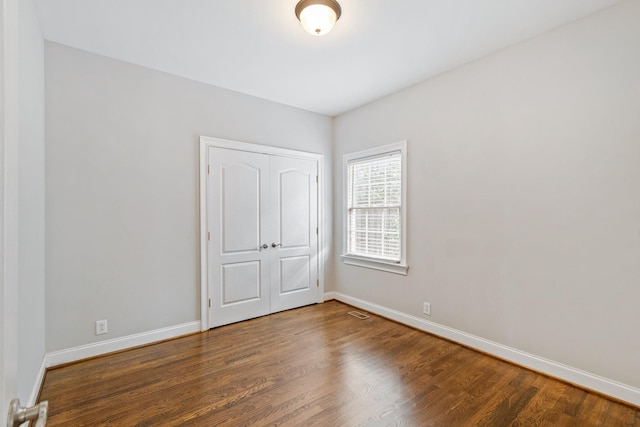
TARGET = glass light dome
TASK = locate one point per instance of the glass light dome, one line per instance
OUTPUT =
(318, 16)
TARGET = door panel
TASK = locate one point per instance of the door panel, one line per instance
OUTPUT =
(295, 220)
(294, 194)
(240, 282)
(240, 202)
(295, 274)
(237, 216)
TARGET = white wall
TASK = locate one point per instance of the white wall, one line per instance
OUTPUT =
(523, 196)
(122, 188)
(31, 339)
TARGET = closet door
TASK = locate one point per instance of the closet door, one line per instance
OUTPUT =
(238, 216)
(293, 200)
(262, 249)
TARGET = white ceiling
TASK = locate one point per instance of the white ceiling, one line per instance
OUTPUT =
(258, 47)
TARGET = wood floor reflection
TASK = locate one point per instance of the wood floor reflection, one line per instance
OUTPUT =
(316, 366)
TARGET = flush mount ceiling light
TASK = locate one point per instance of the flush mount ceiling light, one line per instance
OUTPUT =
(318, 16)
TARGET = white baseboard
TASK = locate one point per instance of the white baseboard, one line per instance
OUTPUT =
(572, 375)
(103, 347)
(38, 384)
(330, 295)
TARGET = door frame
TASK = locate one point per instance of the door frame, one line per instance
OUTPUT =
(9, 221)
(205, 143)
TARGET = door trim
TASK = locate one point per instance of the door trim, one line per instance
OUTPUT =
(9, 219)
(205, 143)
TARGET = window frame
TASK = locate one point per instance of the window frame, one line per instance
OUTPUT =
(401, 266)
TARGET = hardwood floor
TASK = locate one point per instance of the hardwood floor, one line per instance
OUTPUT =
(316, 366)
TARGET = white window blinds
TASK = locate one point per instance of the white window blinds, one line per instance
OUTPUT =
(374, 202)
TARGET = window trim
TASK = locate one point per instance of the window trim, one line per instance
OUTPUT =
(400, 267)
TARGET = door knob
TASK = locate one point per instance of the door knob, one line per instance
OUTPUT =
(264, 246)
(275, 245)
(18, 415)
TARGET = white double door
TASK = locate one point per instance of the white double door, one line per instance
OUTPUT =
(263, 247)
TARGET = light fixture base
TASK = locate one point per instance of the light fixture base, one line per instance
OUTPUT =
(333, 4)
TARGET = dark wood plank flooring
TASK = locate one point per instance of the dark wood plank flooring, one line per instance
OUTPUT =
(316, 366)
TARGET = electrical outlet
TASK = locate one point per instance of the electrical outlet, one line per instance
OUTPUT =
(101, 327)
(426, 309)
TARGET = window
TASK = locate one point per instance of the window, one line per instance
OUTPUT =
(375, 197)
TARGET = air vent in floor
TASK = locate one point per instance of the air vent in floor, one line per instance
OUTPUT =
(358, 314)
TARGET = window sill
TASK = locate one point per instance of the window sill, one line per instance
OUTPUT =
(390, 267)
